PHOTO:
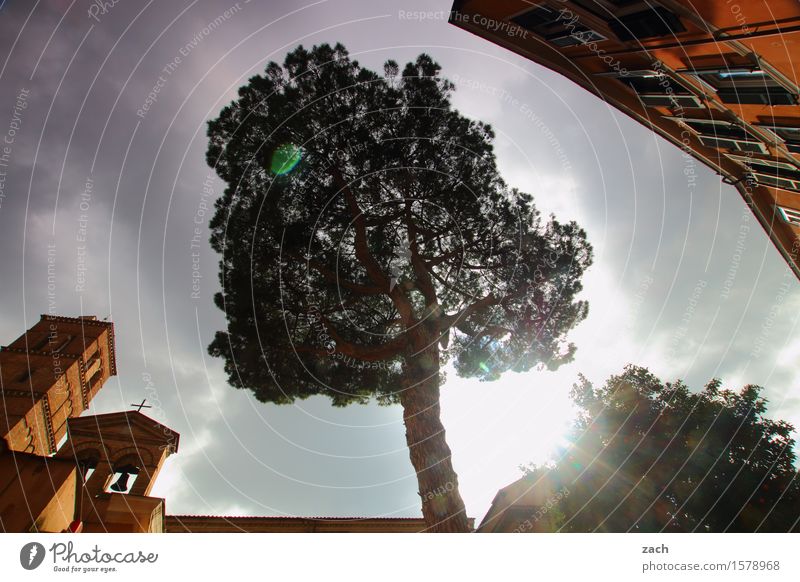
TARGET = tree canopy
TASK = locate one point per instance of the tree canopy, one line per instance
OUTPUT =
(650, 456)
(367, 238)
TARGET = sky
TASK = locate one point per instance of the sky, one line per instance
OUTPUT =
(107, 110)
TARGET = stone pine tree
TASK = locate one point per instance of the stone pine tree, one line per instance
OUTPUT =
(650, 456)
(367, 239)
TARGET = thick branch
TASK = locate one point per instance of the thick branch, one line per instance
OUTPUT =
(332, 277)
(363, 255)
(421, 272)
(388, 350)
(488, 301)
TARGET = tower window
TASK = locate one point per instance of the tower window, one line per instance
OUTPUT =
(790, 215)
(62, 440)
(62, 344)
(87, 468)
(95, 377)
(652, 22)
(40, 344)
(123, 479)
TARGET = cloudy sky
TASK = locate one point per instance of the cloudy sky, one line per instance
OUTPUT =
(684, 280)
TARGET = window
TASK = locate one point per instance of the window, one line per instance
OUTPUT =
(62, 440)
(94, 360)
(62, 344)
(730, 144)
(550, 24)
(657, 89)
(88, 473)
(746, 86)
(579, 35)
(652, 22)
(773, 173)
(776, 181)
(790, 135)
(764, 162)
(790, 215)
(87, 466)
(40, 344)
(95, 377)
(724, 135)
(123, 479)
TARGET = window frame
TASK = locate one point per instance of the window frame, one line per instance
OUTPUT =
(613, 9)
(764, 177)
(688, 91)
(792, 143)
(37, 347)
(776, 181)
(133, 472)
(580, 27)
(612, 13)
(63, 344)
(777, 164)
(794, 219)
(714, 140)
(621, 25)
(739, 88)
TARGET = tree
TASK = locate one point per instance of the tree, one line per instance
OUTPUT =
(367, 238)
(649, 456)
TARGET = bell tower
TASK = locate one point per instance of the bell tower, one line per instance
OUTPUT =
(119, 456)
(50, 374)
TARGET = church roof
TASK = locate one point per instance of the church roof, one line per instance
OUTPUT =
(133, 422)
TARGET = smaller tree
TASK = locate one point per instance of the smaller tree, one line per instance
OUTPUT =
(648, 456)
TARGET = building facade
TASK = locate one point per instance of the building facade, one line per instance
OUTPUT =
(716, 78)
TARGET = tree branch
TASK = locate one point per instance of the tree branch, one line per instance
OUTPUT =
(401, 302)
(488, 301)
(332, 277)
(420, 269)
(389, 349)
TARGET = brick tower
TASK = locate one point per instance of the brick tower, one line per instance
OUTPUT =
(50, 374)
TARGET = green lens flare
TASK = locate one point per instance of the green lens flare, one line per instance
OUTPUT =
(285, 159)
(484, 367)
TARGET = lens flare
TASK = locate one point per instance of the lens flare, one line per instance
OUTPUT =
(484, 367)
(285, 159)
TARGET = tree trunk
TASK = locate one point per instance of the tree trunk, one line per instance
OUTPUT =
(442, 506)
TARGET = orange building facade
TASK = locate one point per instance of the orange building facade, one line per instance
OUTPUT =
(717, 78)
